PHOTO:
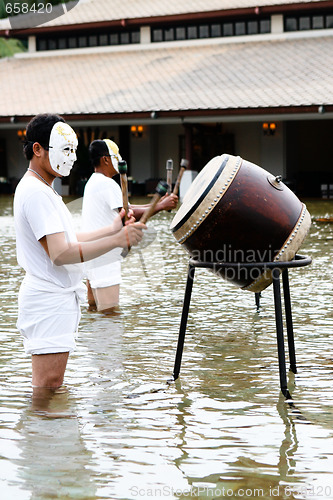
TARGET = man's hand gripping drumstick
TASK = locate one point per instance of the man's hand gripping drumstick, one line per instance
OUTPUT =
(122, 167)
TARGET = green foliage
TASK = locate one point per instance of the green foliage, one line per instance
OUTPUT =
(2, 10)
(10, 47)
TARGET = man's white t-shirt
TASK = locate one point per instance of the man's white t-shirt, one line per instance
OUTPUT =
(38, 212)
(101, 200)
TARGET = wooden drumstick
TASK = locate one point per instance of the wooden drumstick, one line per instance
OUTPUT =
(122, 167)
(161, 189)
(183, 167)
(169, 168)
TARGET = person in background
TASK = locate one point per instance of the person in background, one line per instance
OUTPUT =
(102, 200)
(51, 253)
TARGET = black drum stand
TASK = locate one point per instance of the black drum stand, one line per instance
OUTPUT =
(277, 269)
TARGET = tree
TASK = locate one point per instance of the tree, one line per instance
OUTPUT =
(10, 46)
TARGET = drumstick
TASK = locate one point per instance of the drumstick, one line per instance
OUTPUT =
(161, 189)
(183, 167)
(169, 168)
(122, 167)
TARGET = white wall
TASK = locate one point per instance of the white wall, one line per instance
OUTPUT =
(267, 151)
(162, 143)
(141, 156)
(247, 140)
(168, 142)
(273, 151)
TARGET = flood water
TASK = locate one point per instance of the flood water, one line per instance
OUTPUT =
(222, 430)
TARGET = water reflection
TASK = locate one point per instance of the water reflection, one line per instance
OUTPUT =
(53, 459)
(222, 428)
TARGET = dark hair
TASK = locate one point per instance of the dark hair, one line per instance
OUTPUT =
(97, 149)
(39, 130)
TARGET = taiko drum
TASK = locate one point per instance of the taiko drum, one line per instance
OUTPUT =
(236, 212)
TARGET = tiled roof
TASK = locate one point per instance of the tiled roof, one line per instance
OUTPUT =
(89, 11)
(254, 74)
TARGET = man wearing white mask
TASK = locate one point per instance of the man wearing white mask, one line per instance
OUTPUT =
(50, 251)
(102, 200)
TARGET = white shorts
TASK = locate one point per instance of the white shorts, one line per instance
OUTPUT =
(105, 276)
(48, 321)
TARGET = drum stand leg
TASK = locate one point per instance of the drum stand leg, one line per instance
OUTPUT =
(279, 333)
(278, 321)
(257, 299)
(183, 323)
(289, 321)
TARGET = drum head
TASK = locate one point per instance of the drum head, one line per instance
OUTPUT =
(198, 190)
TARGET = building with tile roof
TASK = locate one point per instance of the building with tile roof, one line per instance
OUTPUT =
(179, 79)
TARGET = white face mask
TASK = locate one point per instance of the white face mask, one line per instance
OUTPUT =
(114, 153)
(62, 148)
